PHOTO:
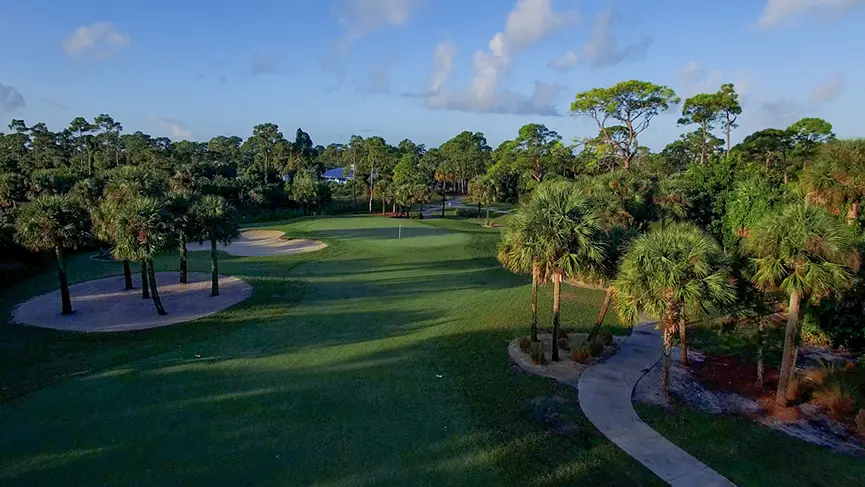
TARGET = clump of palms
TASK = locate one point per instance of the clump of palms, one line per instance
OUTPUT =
(54, 223)
(567, 239)
(123, 184)
(142, 228)
(836, 177)
(670, 273)
(217, 223)
(517, 253)
(807, 254)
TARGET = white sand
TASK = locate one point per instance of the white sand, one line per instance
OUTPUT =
(103, 305)
(256, 243)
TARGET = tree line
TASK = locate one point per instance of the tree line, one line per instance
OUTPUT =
(91, 169)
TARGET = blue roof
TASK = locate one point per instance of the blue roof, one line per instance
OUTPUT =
(338, 173)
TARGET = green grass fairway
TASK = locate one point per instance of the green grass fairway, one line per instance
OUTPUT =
(378, 361)
(753, 456)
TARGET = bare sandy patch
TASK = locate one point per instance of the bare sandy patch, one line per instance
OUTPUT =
(104, 306)
(258, 243)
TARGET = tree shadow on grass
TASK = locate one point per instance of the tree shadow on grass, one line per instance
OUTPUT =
(400, 410)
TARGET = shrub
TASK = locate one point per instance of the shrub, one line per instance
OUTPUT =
(838, 397)
(564, 344)
(860, 422)
(836, 390)
(596, 347)
(580, 353)
(466, 213)
(813, 335)
(525, 344)
(606, 338)
(537, 354)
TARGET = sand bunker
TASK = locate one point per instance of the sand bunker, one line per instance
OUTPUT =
(103, 305)
(255, 243)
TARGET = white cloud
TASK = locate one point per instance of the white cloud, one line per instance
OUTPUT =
(829, 90)
(361, 17)
(780, 112)
(565, 62)
(10, 99)
(694, 80)
(443, 65)
(781, 12)
(602, 49)
(528, 22)
(175, 127)
(99, 40)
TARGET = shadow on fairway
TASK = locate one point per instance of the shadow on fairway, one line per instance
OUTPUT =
(394, 411)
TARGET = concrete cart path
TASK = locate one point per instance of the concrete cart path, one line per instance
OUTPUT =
(605, 395)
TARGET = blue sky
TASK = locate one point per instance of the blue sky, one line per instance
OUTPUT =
(422, 69)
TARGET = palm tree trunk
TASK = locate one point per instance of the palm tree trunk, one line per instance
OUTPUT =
(557, 294)
(535, 278)
(154, 290)
(443, 201)
(214, 269)
(420, 215)
(479, 210)
(184, 267)
(487, 222)
(608, 296)
(127, 275)
(145, 287)
(668, 346)
(683, 343)
(383, 206)
(65, 299)
(760, 340)
(788, 363)
(703, 146)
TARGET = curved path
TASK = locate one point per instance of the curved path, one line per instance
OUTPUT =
(257, 243)
(605, 395)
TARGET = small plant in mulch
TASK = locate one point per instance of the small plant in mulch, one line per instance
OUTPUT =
(537, 354)
(525, 343)
(606, 338)
(564, 344)
(596, 347)
(580, 353)
(835, 388)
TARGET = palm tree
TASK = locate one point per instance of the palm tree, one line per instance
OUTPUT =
(836, 178)
(516, 253)
(142, 229)
(124, 183)
(179, 205)
(617, 239)
(58, 223)
(217, 223)
(567, 239)
(669, 273)
(806, 253)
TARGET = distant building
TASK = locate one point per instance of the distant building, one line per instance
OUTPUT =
(339, 175)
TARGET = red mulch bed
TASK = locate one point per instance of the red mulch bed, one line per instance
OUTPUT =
(730, 373)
